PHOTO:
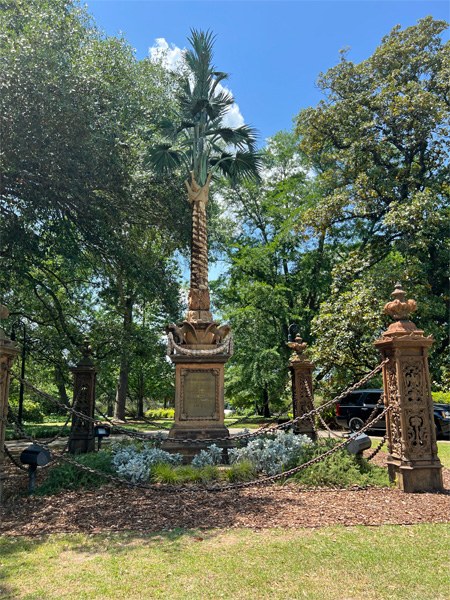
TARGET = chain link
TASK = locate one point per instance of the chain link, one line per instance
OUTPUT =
(261, 431)
(378, 448)
(13, 460)
(217, 488)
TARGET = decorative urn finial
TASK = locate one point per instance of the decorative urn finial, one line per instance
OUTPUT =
(400, 309)
(86, 351)
(298, 346)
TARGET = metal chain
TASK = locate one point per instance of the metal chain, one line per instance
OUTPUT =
(322, 420)
(49, 464)
(378, 448)
(218, 488)
(13, 460)
(225, 346)
(256, 433)
(337, 435)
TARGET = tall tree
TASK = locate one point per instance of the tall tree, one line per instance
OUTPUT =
(276, 273)
(380, 145)
(198, 143)
(83, 222)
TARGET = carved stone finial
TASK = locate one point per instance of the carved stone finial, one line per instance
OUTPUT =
(4, 314)
(86, 351)
(399, 308)
(298, 346)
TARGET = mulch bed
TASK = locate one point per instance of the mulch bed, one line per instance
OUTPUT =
(114, 508)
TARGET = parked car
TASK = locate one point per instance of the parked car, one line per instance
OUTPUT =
(353, 411)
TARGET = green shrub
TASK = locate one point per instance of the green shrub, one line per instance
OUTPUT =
(32, 412)
(441, 397)
(160, 413)
(209, 473)
(243, 471)
(38, 431)
(66, 476)
(340, 469)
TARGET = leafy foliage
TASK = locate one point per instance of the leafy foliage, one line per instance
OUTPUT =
(196, 139)
(379, 144)
(69, 477)
(341, 469)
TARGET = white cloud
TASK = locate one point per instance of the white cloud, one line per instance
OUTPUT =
(172, 57)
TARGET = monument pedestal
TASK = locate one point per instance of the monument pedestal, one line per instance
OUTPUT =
(412, 461)
(199, 404)
(301, 376)
(8, 351)
(82, 438)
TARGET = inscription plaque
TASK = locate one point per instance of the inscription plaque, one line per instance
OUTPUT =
(199, 394)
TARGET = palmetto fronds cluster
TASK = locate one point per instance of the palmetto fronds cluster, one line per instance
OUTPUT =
(196, 140)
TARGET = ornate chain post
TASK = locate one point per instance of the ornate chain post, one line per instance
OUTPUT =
(82, 438)
(301, 373)
(412, 459)
(8, 351)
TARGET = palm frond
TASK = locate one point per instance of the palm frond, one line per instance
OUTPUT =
(242, 166)
(164, 159)
(244, 137)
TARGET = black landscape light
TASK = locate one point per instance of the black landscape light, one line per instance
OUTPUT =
(34, 456)
(358, 445)
(101, 431)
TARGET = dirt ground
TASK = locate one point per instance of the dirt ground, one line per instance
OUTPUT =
(113, 508)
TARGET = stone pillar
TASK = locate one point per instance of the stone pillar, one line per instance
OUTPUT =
(412, 461)
(82, 438)
(8, 351)
(301, 372)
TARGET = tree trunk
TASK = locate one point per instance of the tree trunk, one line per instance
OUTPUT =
(59, 380)
(122, 387)
(198, 293)
(140, 402)
(266, 403)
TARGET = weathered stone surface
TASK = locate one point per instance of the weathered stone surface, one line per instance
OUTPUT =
(8, 351)
(82, 438)
(199, 403)
(301, 372)
(412, 462)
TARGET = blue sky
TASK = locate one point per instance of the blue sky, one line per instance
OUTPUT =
(273, 50)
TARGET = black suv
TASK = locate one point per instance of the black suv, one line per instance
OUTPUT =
(353, 411)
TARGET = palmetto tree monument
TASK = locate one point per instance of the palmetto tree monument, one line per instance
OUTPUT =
(197, 141)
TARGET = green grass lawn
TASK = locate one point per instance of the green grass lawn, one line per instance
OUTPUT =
(336, 563)
(443, 451)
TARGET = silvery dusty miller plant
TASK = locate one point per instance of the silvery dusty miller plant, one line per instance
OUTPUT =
(212, 456)
(269, 455)
(136, 464)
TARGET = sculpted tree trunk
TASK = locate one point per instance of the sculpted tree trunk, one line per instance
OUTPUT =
(198, 301)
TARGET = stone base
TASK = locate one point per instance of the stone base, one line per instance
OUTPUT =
(309, 431)
(412, 479)
(190, 449)
(82, 445)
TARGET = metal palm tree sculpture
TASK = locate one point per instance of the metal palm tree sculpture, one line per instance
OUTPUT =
(198, 142)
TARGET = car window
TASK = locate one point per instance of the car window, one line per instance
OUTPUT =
(372, 397)
(352, 398)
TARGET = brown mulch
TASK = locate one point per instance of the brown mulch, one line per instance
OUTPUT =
(118, 509)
